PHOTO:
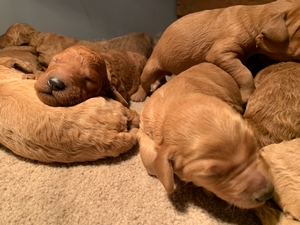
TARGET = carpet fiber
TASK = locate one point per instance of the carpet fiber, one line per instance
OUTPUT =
(107, 191)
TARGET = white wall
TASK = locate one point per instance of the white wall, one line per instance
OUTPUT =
(89, 19)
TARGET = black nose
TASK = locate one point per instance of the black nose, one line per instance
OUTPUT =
(266, 196)
(55, 84)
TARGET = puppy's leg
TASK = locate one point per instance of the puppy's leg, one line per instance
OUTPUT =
(151, 73)
(226, 59)
(18, 65)
(147, 151)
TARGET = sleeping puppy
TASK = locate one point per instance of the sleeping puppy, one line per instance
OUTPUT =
(273, 111)
(225, 37)
(94, 129)
(49, 44)
(17, 34)
(79, 73)
(284, 159)
(187, 128)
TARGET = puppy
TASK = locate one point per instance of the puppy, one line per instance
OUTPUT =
(284, 162)
(187, 128)
(94, 129)
(49, 44)
(79, 73)
(16, 35)
(225, 37)
(273, 111)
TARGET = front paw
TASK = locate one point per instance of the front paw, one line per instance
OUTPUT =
(139, 96)
(246, 93)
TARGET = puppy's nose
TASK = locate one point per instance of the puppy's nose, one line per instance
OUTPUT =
(56, 84)
(266, 196)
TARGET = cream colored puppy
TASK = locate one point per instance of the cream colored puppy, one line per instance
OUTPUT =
(284, 159)
(225, 37)
(187, 128)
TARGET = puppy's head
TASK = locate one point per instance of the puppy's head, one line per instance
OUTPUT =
(207, 143)
(16, 35)
(280, 37)
(73, 75)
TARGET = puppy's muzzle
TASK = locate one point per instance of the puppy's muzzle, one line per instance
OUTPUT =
(56, 84)
(266, 194)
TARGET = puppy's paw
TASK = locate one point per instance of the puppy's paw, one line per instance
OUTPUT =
(139, 96)
(157, 84)
(246, 93)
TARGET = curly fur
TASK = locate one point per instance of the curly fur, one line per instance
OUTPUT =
(274, 108)
(94, 129)
(84, 73)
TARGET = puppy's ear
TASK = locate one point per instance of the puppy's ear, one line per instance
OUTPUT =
(117, 96)
(276, 29)
(164, 170)
(275, 32)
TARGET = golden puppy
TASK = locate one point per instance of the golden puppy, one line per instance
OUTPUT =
(273, 110)
(49, 44)
(79, 73)
(225, 37)
(187, 128)
(94, 129)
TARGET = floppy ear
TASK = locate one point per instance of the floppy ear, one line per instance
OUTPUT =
(276, 29)
(117, 96)
(164, 170)
(275, 32)
(113, 81)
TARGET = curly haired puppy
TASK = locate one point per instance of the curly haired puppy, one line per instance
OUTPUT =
(79, 73)
(94, 129)
(226, 37)
(187, 128)
(16, 35)
(273, 110)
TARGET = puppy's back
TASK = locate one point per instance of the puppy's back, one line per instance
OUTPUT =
(204, 78)
(274, 108)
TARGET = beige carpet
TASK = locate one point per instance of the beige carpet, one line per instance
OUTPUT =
(108, 191)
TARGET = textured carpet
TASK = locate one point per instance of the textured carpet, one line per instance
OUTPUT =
(108, 191)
